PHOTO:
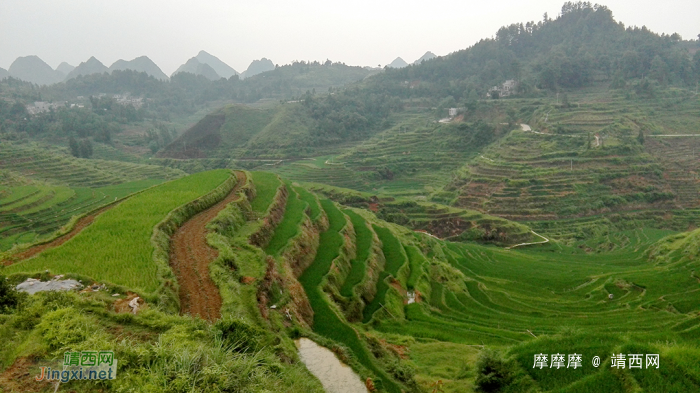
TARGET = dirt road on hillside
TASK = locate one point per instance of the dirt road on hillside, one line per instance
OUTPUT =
(190, 256)
(77, 228)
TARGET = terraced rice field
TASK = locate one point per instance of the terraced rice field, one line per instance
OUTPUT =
(416, 152)
(363, 243)
(46, 165)
(508, 294)
(308, 172)
(265, 188)
(29, 212)
(395, 259)
(289, 226)
(326, 321)
(117, 246)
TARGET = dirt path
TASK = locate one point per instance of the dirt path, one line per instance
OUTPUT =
(190, 256)
(79, 226)
(527, 244)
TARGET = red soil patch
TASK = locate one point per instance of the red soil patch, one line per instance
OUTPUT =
(247, 280)
(79, 226)
(20, 377)
(190, 256)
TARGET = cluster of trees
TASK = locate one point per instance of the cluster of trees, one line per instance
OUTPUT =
(99, 122)
(348, 115)
(186, 92)
(80, 149)
(159, 137)
(582, 45)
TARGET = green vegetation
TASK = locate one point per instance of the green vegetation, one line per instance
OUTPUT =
(594, 148)
(417, 262)
(310, 199)
(157, 352)
(363, 242)
(289, 226)
(117, 247)
(266, 185)
(34, 212)
(37, 162)
(326, 321)
(395, 259)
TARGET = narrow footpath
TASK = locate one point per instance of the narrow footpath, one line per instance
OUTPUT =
(81, 224)
(190, 256)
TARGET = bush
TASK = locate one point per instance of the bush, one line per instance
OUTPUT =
(239, 335)
(9, 297)
(493, 372)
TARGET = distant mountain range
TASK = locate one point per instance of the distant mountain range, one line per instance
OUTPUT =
(213, 68)
(33, 69)
(400, 63)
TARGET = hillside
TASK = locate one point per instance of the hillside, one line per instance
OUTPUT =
(239, 131)
(387, 300)
(442, 226)
(583, 45)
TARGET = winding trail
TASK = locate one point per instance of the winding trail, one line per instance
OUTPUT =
(81, 224)
(527, 244)
(190, 256)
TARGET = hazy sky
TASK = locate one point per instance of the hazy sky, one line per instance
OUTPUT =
(358, 32)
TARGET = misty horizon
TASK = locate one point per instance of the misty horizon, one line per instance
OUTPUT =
(365, 34)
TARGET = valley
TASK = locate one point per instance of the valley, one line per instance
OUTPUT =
(442, 226)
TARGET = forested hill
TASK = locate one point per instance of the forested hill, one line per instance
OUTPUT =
(582, 45)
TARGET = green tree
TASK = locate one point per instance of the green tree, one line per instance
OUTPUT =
(565, 100)
(85, 148)
(659, 70)
(493, 372)
(74, 146)
(9, 297)
(640, 137)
